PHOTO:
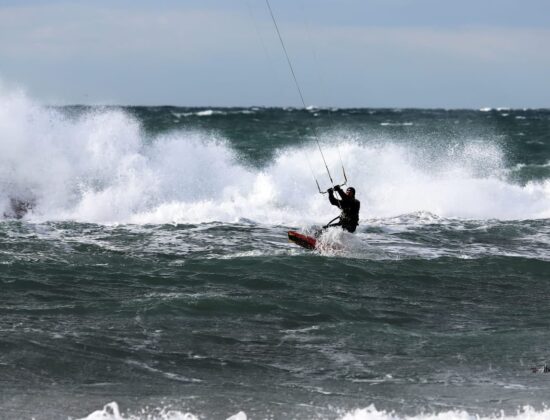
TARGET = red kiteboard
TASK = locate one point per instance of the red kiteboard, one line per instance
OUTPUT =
(303, 240)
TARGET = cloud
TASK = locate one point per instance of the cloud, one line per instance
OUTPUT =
(214, 56)
(473, 43)
(65, 29)
(84, 28)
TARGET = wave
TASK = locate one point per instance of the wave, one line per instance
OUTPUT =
(112, 412)
(396, 124)
(102, 167)
(370, 413)
(211, 112)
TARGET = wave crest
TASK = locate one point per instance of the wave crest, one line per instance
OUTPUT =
(112, 412)
(102, 167)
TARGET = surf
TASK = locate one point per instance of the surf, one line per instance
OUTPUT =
(111, 411)
(103, 166)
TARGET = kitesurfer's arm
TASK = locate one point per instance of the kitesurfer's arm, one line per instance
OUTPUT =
(333, 200)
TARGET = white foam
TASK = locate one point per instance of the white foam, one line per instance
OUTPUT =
(101, 167)
(392, 124)
(337, 242)
(209, 112)
(111, 411)
(371, 413)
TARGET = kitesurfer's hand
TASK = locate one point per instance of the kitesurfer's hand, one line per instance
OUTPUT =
(337, 188)
(330, 190)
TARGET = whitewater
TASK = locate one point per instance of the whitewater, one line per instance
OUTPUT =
(102, 167)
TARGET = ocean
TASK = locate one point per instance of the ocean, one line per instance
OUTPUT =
(145, 271)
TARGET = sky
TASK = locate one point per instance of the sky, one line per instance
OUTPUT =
(346, 53)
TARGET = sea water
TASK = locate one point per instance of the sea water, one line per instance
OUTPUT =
(150, 276)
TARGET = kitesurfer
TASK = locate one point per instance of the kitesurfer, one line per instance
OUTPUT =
(349, 218)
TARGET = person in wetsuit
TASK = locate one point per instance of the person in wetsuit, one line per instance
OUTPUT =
(349, 218)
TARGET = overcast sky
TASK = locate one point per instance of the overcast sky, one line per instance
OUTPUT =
(346, 53)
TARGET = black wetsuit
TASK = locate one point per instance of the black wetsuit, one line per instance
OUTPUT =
(349, 218)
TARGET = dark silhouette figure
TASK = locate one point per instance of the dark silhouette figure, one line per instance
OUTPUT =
(349, 217)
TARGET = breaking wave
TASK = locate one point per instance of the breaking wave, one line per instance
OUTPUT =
(112, 412)
(102, 167)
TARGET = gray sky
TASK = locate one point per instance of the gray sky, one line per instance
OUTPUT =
(346, 53)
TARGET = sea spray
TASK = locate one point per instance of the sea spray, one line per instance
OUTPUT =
(102, 167)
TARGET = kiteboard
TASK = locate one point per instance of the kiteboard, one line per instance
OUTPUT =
(305, 241)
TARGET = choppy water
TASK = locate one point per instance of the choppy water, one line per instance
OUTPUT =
(153, 268)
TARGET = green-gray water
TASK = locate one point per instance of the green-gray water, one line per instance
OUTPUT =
(153, 269)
